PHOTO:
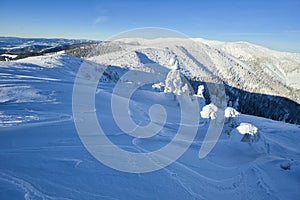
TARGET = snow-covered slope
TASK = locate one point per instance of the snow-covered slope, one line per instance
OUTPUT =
(255, 77)
(42, 157)
(281, 65)
(242, 65)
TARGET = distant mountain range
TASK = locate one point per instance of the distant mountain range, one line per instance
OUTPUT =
(15, 48)
(16, 42)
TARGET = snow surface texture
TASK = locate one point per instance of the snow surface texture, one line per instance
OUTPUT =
(41, 156)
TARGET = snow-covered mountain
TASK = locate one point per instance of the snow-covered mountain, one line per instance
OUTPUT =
(280, 65)
(254, 76)
(243, 65)
(12, 48)
(18, 43)
(44, 156)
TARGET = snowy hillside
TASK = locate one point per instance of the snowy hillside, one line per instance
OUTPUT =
(281, 65)
(42, 156)
(242, 65)
(253, 75)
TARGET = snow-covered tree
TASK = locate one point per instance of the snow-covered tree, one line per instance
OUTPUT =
(249, 131)
(231, 112)
(230, 117)
(174, 63)
(185, 89)
(174, 82)
(200, 91)
(209, 111)
(246, 128)
(159, 87)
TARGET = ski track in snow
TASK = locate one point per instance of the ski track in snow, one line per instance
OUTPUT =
(30, 192)
(203, 183)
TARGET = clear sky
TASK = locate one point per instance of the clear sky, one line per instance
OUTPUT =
(272, 23)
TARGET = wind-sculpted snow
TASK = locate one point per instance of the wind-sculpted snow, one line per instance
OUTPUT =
(37, 81)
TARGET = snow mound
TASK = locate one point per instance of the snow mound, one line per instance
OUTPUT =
(231, 112)
(209, 111)
(246, 128)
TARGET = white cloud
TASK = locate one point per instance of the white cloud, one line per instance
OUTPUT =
(100, 19)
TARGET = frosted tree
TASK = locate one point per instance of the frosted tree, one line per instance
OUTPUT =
(209, 111)
(230, 116)
(231, 112)
(174, 63)
(249, 131)
(200, 91)
(185, 89)
(174, 82)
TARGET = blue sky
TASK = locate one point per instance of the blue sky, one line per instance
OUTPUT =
(272, 23)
